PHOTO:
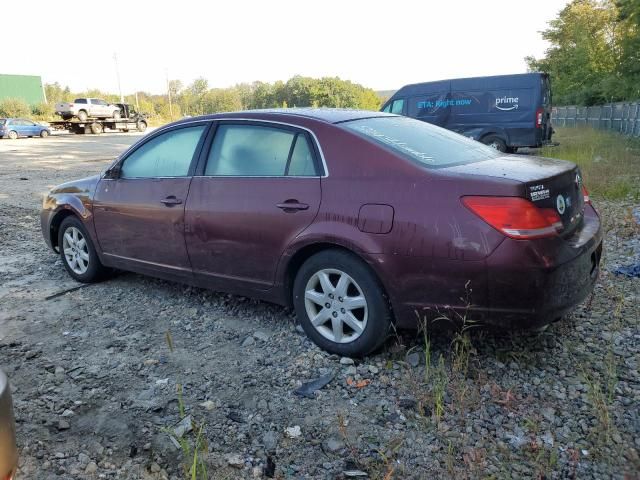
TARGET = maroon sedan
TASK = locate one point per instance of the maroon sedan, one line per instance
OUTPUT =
(358, 219)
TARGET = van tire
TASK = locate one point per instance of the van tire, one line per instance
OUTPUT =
(496, 142)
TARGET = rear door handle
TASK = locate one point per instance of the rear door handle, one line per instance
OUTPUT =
(292, 205)
(171, 200)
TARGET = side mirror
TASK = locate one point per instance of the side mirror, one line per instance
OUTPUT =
(113, 173)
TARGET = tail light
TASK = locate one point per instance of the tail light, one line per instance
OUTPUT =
(539, 117)
(515, 217)
(585, 194)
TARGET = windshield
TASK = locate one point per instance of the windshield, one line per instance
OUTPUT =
(427, 144)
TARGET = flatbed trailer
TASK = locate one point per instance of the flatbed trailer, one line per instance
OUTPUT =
(97, 126)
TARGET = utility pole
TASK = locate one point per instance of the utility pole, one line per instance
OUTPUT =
(169, 94)
(115, 59)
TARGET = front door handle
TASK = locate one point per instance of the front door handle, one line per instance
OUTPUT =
(292, 205)
(171, 200)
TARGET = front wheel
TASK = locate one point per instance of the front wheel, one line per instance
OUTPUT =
(44, 133)
(82, 116)
(141, 126)
(340, 304)
(116, 115)
(78, 253)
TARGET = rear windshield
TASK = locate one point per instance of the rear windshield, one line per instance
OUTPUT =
(427, 144)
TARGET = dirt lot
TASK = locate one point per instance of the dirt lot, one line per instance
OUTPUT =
(96, 382)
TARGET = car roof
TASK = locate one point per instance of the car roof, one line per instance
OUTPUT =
(328, 115)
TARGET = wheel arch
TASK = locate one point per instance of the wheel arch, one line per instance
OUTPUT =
(496, 132)
(56, 221)
(302, 254)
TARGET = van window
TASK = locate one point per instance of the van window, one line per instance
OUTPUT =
(422, 142)
(397, 106)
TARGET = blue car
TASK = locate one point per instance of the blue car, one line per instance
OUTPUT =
(21, 127)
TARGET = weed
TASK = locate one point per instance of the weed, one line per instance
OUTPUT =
(193, 450)
(439, 389)
(450, 460)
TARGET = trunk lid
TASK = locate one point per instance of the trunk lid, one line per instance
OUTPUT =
(548, 183)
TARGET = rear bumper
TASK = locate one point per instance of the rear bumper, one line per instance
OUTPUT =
(8, 449)
(522, 284)
(532, 283)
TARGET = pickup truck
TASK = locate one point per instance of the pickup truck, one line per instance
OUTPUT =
(84, 108)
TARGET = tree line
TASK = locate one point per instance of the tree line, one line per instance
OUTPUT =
(594, 53)
(198, 98)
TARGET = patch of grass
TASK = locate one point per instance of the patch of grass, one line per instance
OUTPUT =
(610, 162)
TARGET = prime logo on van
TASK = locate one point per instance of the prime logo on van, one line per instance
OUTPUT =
(507, 103)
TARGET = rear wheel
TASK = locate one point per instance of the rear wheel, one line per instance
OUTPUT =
(13, 135)
(341, 304)
(495, 142)
(78, 253)
(82, 116)
(96, 128)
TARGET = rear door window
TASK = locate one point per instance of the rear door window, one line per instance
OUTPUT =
(167, 155)
(302, 162)
(80, 100)
(252, 151)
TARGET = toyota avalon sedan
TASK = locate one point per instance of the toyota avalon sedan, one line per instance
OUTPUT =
(357, 219)
(8, 451)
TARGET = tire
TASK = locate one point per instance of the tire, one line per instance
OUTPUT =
(495, 142)
(44, 133)
(13, 135)
(96, 128)
(78, 253)
(366, 328)
(116, 115)
(141, 126)
(82, 116)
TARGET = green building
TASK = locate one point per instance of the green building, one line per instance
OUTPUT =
(25, 87)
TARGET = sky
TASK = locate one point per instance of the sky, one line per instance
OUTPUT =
(382, 45)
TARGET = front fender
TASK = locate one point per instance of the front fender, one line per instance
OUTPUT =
(73, 198)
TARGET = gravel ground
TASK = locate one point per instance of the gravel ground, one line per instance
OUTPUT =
(96, 369)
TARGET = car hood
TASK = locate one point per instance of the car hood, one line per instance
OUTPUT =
(516, 167)
(78, 187)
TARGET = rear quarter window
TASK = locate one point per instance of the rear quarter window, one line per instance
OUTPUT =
(421, 142)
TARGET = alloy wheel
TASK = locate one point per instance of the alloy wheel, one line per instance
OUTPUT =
(336, 305)
(76, 250)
